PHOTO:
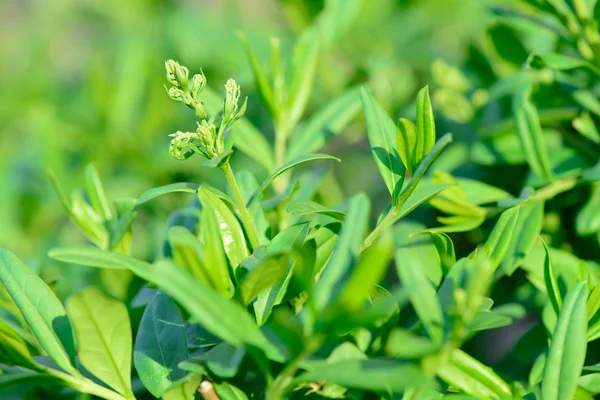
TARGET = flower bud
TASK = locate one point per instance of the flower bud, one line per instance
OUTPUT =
(200, 110)
(206, 133)
(179, 143)
(198, 84)
(232, 96)
(177, 74)
(176, 94)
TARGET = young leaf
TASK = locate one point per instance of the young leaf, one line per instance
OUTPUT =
(303, 71)
(184, 389)
(290, 164)
(264, 276)
(327, 122)
(41, 309)
(262, 83)
(381, 131)
(406, 142)
(307, 207)
(13, 349)
(530, 134)
(473, 378)
(372, 374)
(567, 347)
(425, 126)
(96, 194)
(103, 336)
(525, 233)
(404, 344)
(421, 293)
(587, 221)
(160, 345)
(501, 236)
(551, 282)
(346, 251)
(230, 231)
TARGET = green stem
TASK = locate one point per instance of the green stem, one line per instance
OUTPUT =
(281, 134)
(245, 215)
(386, 222)
(548, 192)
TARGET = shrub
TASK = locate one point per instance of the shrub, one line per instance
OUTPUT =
(262, 291)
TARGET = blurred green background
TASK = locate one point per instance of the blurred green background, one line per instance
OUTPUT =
(83, 82)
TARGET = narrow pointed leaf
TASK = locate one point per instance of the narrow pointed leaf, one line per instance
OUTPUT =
(288, 165)
(425, 126)
(567, 347)
(551, 282)
(40, 308)
(381, 132)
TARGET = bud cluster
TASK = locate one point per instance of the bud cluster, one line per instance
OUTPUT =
(207, 140)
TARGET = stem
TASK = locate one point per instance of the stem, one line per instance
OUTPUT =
(388, 220)
(548, 192)
(246, 217)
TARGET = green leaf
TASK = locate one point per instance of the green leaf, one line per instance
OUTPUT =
(290, 164)
(530, 134)
(227, 391)
(262, 83)
(303, 70)
(214, 253)
(248, 185)
(329, 121)
(479, 193)
(185, 389)
(153, 193)
(187, 252)
(588, 100)
(422, 293)
(562, 62)
(40, 308)
(160, 345)
(224, 360)
(219, 160)
(218, 315)
(96, 194)
(473, 378)
(230, 230)
(368, 272)
(419, 247)
(269, 272)
(551, 282)
(425, 126)
(501, 237)
(307, 207)
(346, 251)
(381, 131)
(420, 195)
(587, 221)
(567, 347)
(407, 137)
(585, 125)
(403, 344)
(524, 235)
(13, 349)
(103, 336)
(374, 374)
(445, 250)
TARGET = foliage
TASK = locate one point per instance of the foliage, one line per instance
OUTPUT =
(276, 285)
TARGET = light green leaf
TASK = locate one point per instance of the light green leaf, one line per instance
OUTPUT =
(368, 272)
(303, 70)
(373, 374)
(346, 251)
(530, 134)
(473, 378)
(218, 315)
(308, 207)
(96, 194)
(420, 195)
(160, 345)
(567, 347)
(588, 100)
(231, 233)
(13, 349)
(425, 126)
(524, 235)
(587, 221)
(501, 237)
(381, 131)
(403, 344)
(407, 137)
(288, 165)
(262, 83)
(422, 294)
(562, 62)
(265, 275)
(185, 389)
(40, 308)
(248, 185)
(329, 121)
(551, 282)
(103, 336)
